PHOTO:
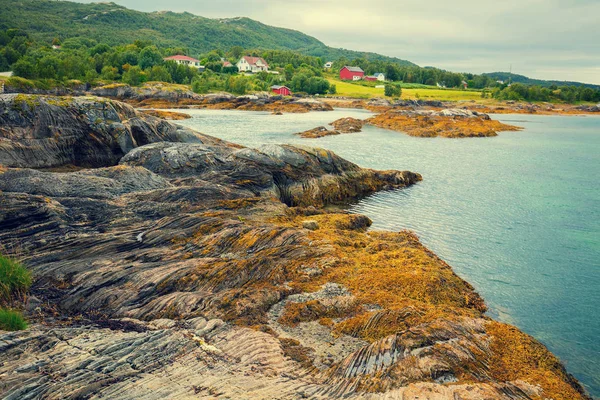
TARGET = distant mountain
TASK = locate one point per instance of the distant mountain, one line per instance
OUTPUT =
(114, 24)
(515, 78)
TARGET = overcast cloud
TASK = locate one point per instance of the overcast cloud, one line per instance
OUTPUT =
(546, 39)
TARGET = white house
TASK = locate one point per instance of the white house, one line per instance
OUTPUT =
(328, 64)
(185, 60)
(252, 64)
(380, 76)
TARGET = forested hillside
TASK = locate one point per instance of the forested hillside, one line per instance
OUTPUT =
(116, 25)
(515, 78)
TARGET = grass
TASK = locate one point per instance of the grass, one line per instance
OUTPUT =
(15, 280)
(410, 91)
(11, 320)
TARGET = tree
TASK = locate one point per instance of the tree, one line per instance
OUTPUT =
(236, 52)
(332, 89)
(24, 69)
(133, 76)
(109, 73)
(393, 90)
(159, 73)
(149, 57)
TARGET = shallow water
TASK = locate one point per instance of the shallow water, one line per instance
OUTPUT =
(518, 215)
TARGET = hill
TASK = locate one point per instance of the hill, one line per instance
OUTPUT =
(515, 78)
(113, 24)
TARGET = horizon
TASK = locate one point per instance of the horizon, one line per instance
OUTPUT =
(546, 47)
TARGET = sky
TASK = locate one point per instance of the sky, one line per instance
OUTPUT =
(544, 39)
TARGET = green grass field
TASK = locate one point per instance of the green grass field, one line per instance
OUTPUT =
(356, 90)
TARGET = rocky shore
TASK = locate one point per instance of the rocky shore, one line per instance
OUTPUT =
(381, 105)
(178, 96)
(175, 265)
(449, 123)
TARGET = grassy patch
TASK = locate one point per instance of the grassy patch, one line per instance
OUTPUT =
(409, 91)
(15, 280)
(11, 320)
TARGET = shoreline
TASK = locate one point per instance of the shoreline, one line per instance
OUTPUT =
(222, 251)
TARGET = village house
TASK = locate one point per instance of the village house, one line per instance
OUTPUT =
(252, 64)
(328, 65)
(185, 60)
(370, 78)
(380, 76)
(351, 73)
(281, 90)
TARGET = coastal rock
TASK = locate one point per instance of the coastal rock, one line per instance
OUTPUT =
(450, 123)
(170, 115)
(347, 125)
(185, 272)
(43, 132)
(163, 95)
(317, 132)
(310, 224)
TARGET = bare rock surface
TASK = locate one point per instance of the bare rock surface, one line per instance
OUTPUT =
(347, 125)
(42, 131)
(186, 272)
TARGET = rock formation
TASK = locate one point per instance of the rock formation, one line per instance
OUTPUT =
(450, 123)
(317, 132)
(211, 270)
(43, 132)
(347, 125)
(160, 95)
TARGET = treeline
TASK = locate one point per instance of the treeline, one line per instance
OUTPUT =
(88, 61)
(415, 74)
(139, 62)
(567, 94)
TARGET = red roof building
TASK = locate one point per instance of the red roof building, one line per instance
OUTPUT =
(281, 90)
(370, 78)
(184, 60)
(351, 73)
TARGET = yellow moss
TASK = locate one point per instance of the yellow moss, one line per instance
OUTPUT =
(431, 126)
(517, 356)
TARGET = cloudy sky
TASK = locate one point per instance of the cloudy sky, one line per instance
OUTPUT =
(546, 39)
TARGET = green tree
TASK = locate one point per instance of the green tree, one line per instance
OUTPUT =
(133, 76)
(393, 90)
(236, 52)
(109, 73)
(149, 57)
(160, 74)
(24, 69)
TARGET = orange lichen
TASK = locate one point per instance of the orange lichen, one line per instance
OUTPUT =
(517, 356)
(445, 126)
(172, 115)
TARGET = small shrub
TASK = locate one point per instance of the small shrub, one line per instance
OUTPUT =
(15, 280)
(11, 320)
(392, 90)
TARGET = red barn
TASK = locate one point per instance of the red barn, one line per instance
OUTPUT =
(281, 90)
(370, 78)
(351, 73)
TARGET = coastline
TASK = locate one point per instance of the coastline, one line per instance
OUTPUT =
(226, 249)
